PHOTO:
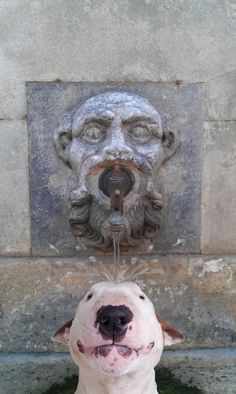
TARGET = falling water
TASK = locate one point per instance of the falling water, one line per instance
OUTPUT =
(116, 246)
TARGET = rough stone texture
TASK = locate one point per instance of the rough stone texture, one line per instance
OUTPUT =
(34, 374)
(218, 194)
(14, 190)
(112, 41)
(179, 178)
(12, 97)
(197, 295)
(212, 371)
(221, 97)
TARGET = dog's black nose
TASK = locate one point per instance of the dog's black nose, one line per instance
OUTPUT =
(113, 321)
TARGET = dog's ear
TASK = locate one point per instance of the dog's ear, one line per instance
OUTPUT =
(62, 138)
(170, 334)
(62, 335)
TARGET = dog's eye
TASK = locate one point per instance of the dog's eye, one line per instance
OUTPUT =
(142, 297)
(89, 296)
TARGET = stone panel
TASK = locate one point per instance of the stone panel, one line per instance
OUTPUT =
(212, 371)
(179, 179)
(197, 295)
(14, 190)
(218, 191)
(112, 41)
(221, 98)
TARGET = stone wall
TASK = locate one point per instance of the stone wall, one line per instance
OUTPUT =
(119, 41)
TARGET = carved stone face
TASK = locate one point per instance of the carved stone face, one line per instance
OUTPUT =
(108, 129)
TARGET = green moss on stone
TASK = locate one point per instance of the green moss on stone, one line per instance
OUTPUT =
(68, 387)
(168, 384)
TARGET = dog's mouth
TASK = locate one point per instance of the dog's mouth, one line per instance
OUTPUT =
(121, 350)
(105, 350)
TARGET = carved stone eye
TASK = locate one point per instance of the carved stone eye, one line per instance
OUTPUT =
(92, 134)
(140, 134)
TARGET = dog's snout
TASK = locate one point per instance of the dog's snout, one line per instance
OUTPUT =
(113, 321)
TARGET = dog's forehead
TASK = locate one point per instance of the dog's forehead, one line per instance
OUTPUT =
(101, 287)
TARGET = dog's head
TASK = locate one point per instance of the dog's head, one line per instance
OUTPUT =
(116, 331)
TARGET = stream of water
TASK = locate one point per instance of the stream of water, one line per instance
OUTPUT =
(116, 248)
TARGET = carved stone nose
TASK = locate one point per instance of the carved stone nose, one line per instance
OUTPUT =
(117, 146)
(113, 321)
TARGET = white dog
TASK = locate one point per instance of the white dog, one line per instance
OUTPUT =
(116, 340)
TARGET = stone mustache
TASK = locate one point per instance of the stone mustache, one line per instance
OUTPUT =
(108, 130)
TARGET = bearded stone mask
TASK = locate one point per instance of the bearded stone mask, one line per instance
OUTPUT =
(109, 131)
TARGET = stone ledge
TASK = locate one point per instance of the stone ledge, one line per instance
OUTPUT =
(196, 294)
(211, 370)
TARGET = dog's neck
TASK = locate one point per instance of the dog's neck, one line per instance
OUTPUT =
(132, 383)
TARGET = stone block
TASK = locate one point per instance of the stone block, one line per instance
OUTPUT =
(210, 370)
(14, 191)
(12, 99)
(179, 178)
(190, 371)
(112, 41)
(197, 295)
(218, 191)
(34, 374)
(221, 98)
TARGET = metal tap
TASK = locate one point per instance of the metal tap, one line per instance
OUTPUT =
(116, 182)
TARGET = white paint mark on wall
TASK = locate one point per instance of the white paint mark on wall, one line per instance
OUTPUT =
(201, 268)
(52, 247)
(179, 242)
(69, 274)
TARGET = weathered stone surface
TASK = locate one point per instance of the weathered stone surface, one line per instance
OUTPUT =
(14, 190)
(12, 98)
(221, 98)
(197, 295)
(34, 374)
(212, 371)
(179, 178)
(112, 41)
(218, 192)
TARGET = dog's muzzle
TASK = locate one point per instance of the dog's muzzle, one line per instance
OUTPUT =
(113, 321)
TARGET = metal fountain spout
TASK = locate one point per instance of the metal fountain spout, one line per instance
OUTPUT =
(116, 182)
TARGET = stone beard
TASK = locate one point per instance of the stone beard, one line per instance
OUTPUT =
(114, 129)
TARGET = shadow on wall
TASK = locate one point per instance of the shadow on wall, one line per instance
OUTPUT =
(167, 384)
